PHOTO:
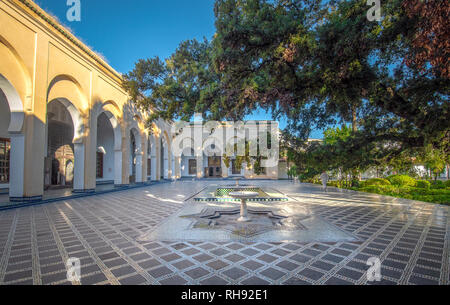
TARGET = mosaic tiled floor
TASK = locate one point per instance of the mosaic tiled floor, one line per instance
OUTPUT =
(410, 238)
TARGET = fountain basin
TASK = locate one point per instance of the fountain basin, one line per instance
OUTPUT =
(222, 194)
(243, 196)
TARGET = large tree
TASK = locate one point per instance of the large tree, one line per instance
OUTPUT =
(317, 63)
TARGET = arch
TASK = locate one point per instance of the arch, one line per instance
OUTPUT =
(112, 111)
(77, 119)
(138, 139)
(136, 154)
(207, 146)
(13, 131)
(66, 87)
(15, 105)
(15, 71)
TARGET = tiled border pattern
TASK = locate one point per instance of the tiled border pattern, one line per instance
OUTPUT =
(411, 239)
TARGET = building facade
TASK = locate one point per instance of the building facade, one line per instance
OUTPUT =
(65, 120)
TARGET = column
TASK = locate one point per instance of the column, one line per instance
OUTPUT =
(17, 167)
(224, 169)
(118, 167)
(200, 170)
(139, 167)
(78, 179)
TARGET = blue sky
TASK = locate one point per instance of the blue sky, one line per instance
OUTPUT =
(125, 31)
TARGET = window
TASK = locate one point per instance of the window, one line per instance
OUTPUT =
(99, 165)
(5, 149)
(234, 169)
(192, 167)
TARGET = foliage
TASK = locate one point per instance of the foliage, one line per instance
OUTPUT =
(423, 184)
(441, 196)
(402, 180)
(239, 160)
(375, 181)
(437, 184)
(293, 171)
(318, 64)
(435, 160)
(431, 42)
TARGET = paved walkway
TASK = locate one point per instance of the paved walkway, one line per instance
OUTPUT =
(411, 239)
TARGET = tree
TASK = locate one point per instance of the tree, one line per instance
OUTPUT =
(435, 160)
(431, 36)
(178, 87)
(317, 63)
(314, 64)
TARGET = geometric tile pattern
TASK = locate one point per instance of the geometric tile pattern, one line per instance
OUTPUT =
(410, 238)
(262, 221)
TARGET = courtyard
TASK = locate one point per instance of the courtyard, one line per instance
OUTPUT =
(106, 232)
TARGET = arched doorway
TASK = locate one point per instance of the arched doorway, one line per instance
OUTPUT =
(60, 148)
(212, 158)
(64, 164)
(135, 156)
(11, 140)
(5, 142)
(132, 157)
(188, 163)
(105, 156)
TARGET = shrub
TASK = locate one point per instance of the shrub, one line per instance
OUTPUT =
(355, 183)
(423, 184)
(402, 180)
(375, 181)
(438, 184)
(333, 183)
(378, 189)
(447, 183)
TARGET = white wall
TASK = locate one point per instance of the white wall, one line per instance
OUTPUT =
(185, 167)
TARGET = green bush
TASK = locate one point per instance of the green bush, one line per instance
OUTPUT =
(441, 196)
(375, 181)
(402, 180)
(447, 183)
(333, 183)
(378, 189)
(438, 184)
(424, 184)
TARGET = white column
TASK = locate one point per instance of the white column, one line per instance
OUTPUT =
(200, 170)
(153, 168)
(16, 166)
(173, 174)
(224, 169)
(78, 181)
(166, 168)
(118, 167)
(178, 167)
(139, 167)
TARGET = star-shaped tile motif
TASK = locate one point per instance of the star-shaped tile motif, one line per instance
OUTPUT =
(261, 221)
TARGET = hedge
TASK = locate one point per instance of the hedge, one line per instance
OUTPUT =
(375, 181)
(424, 184)
(402, 180)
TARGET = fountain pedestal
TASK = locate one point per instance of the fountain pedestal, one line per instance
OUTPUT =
(243, 196)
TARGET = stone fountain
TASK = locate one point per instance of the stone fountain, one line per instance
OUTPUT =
(243, 196)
